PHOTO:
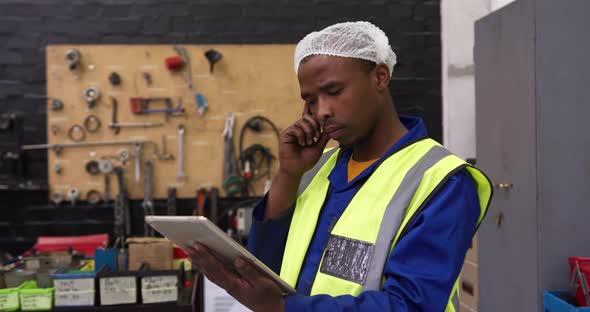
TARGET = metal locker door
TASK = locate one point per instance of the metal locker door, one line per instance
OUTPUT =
(506, 143)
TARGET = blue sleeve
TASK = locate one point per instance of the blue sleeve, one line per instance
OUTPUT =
(267, 239)
(424, 265)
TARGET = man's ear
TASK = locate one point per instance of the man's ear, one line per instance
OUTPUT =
(382, 77)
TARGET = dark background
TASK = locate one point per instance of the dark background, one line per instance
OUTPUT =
(26, 27)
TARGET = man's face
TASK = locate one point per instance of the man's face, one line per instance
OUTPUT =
(341, 94)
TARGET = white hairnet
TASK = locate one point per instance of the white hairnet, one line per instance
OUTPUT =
(361, 40)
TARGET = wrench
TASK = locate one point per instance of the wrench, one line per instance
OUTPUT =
(148, 202)
(138, 148)
(184, 55)
(180, 176)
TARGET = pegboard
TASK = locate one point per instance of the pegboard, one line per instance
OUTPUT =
(249, 80)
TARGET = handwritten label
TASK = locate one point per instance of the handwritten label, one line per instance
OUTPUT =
(35, 301)
(73, 285)
(118, 290)
(9, 301)
(159, 288)
(74, 299)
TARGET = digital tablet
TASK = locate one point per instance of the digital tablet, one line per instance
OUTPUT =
(185, 231)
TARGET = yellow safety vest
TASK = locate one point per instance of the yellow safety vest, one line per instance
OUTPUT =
(362, 239)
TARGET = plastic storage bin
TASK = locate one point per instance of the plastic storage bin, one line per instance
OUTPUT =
(35, 299)
(553, 301)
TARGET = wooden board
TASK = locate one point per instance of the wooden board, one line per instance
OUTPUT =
(249, 80)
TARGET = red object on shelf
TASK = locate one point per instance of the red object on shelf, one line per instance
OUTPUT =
(174, 63)
(84, 244)
(581, 285)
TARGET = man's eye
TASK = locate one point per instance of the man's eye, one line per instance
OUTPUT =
(310, 103)
(334, 92)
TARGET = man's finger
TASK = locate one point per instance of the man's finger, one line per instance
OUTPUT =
(308, 130)
(298, 133)
(314, 124)
(288, 136)
(247, 270)
(215, 270)
(323, 140)
(210, 265)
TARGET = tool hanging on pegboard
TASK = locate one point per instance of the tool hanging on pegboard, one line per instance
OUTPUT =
(213, 56)
(141, 105)
(256, 160)
(201, 104)
(72, 58)
(91, 96)
(174, 63)
(187, 70)
(230, 176)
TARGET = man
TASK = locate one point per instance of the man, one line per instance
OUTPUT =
(381, 223)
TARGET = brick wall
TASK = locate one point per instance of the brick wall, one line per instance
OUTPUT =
(26, 27)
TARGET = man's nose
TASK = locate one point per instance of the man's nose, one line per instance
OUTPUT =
(324, 108)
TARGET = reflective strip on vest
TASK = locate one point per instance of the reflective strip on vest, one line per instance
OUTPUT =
(309, 175)
(394, 213)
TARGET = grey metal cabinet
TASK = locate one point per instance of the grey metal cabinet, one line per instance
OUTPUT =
(532, 61)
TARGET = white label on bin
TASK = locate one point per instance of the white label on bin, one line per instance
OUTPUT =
(159, 288)
(74, 298)
(118, 290)
(30, 302)
(73, 285)
(9, 301)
